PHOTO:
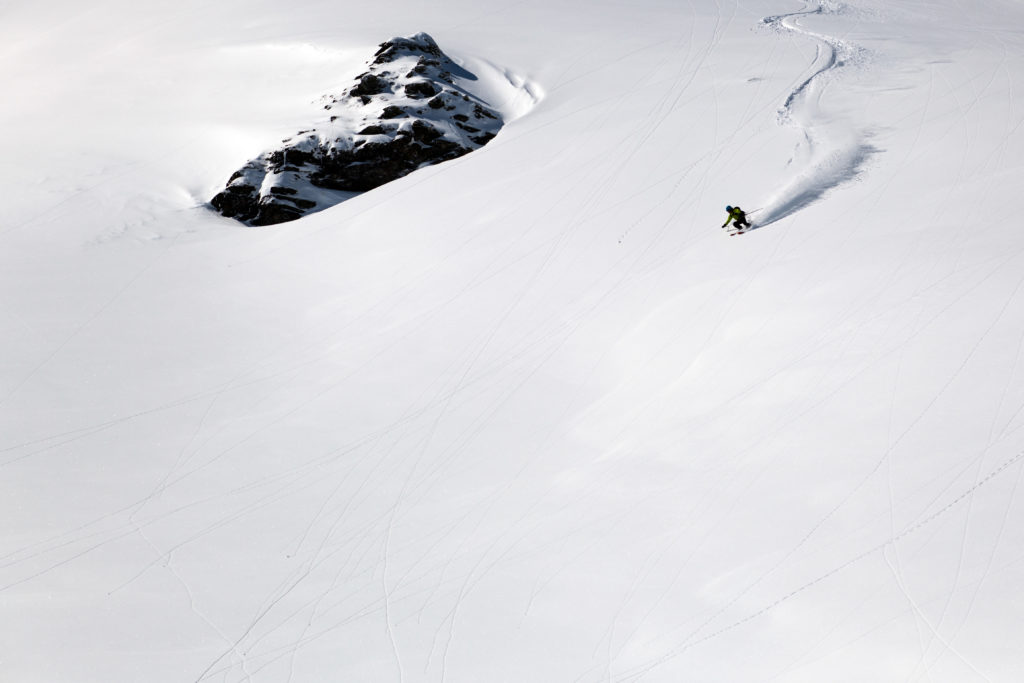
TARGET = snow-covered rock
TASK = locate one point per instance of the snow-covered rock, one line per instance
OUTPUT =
(406, 111)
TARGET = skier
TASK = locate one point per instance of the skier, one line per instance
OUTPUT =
(736, 214)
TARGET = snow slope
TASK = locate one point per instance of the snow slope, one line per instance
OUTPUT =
(528, 415)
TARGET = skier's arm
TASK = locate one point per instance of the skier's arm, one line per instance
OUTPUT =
(728, 220)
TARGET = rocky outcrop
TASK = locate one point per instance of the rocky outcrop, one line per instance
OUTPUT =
(406, 111)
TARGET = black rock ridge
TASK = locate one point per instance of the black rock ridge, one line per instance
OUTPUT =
(404, 112)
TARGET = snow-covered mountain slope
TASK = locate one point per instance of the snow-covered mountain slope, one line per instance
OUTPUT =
(528, 415)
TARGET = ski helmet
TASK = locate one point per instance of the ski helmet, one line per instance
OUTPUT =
(728, 208)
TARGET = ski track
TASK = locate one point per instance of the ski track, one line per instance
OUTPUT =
(826, 156)
(639, 672)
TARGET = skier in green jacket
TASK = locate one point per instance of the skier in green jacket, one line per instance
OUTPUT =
(736, 214)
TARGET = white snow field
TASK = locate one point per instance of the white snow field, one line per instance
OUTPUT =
(529, 415)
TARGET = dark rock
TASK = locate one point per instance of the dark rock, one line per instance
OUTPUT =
(424, 132)
(300, 203)
(422, 66)
(482, 113)
(272, 213)
(290, 157)
(370, 84)
(398, 47)
(420, 89)
(279, 185)
(236, 201)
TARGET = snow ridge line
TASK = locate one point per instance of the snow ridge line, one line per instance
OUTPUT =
(834, 155)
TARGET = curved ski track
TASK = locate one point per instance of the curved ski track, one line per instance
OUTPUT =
(833, 154)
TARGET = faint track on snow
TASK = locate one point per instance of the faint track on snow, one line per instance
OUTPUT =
(831, 153)
(694, 638)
